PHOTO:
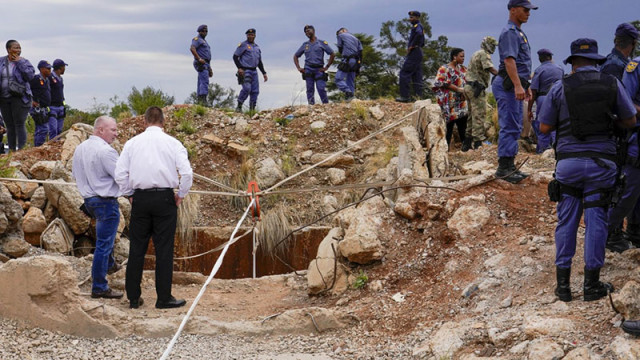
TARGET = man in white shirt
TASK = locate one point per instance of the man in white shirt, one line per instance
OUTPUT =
(147, 172)
(94, 163)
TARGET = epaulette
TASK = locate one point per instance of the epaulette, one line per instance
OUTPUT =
(325, 42)
(239, 44)
(415, 25)
(195, 38)
(631, 66)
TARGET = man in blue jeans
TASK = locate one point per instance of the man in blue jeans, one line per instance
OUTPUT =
(94, 163)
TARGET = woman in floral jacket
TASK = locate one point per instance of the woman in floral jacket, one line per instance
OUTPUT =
(449, 88)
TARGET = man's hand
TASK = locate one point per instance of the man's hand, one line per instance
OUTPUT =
(520, 93)
(202, 61)
(301, 70)
(241, 72)
(210, 72)
(35, 104)
(178, 199)
(265, 77)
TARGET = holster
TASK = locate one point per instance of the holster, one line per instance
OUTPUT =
(240, 78)
(507, 84)
(477, 88)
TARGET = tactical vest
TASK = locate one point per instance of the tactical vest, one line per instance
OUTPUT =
(591, 99)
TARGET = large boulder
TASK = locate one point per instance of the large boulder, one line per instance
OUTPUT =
(361, 242)
(11, 235)
(269, 173)
(39, 198)
(21, 190)
(75, 136)
(336, 176)
(450, 338)
(627, 300)
(469, 219)
(14, 245)
(42, 169)
(33, 224)
(325, 271)
(67, 200)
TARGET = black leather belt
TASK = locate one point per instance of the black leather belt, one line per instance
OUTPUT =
(103, 197)
(153, 189)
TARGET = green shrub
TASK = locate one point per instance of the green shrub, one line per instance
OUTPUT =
(139, 101)
(200, 110)
(361, 280)
(186, 126)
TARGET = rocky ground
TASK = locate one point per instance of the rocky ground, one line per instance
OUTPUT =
(460, 273)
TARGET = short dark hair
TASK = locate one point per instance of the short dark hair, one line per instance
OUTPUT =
(9, 43)
(623, 41)
(455, 52)
(544, 57)
(153, 115)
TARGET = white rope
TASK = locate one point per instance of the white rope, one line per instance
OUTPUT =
(390, 126)
(216, 267)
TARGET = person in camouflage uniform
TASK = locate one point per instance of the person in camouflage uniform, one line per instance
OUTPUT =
(478, 77)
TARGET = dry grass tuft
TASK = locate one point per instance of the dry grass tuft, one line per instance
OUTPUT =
(273, 227)
(188, 213)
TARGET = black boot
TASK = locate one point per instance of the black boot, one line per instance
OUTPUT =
(563, 290)
(504, 169)
(202, 100)
(512, 167)
(632, 234)
(348, 96)
(595, 289)
(477, 144)
(252, 107)
(466, 144)
(616, 242)
(239, 107)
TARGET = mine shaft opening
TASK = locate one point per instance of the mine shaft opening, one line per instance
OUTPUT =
(297, 253)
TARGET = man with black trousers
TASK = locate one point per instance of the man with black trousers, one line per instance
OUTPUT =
(150, 166)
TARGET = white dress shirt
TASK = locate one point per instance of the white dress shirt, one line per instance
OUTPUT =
(153, 159)
(94, 164)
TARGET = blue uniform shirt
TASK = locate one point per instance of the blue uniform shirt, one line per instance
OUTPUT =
(57, 89)
(555, 109)
(416, 37)
(202, 47)
(615, 64)
(631, 82)
(543, 78)
(349, 44)
(248, 54)
(314, 52)
(41, 90)
(513, 43)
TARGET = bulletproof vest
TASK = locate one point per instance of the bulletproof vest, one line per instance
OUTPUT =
(591, 99)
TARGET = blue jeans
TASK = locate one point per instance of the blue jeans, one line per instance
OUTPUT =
(509, 119)
(15, 111)
(107, 214)
(586, 174)
(250, 86)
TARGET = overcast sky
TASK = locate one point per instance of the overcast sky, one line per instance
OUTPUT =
(111, 46)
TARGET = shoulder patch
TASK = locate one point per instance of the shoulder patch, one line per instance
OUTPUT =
(239, 44)
(631, 66)
(415, 25)
(195, 38)
(325, 42)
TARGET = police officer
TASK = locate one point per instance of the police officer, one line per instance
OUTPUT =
(351, 50)
(478, 73)
(511, 87)
(411, 72)
(314, 71)
(626, 39)
(545, 75)
(202, 62)
(41, 101)
(628, 205)
(247, 58)
(57, 111)
(580, 107)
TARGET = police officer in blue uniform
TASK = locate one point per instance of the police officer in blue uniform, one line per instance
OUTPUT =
(585, 108)
(202, 62)
(626, 39)
(351, 50)
(511, 87)
(411, 72)
(314, 72)
(247, 58)
(57, 111)
(41, 101)
(628, 205)
(545, 75)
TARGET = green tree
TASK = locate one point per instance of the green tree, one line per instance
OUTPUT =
(119, 107)
(376, 79)
(636, 23)
(139, 101)
(394, 36)
(218, 97)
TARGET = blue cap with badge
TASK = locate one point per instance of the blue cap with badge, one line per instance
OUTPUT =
(544, 51)
(521, 3)
(44, 64)
(202, 27)
(59, 63)
(414, 13)
(586, 48)
(250, 31)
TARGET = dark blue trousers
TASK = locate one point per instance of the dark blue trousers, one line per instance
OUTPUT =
(411, 74)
